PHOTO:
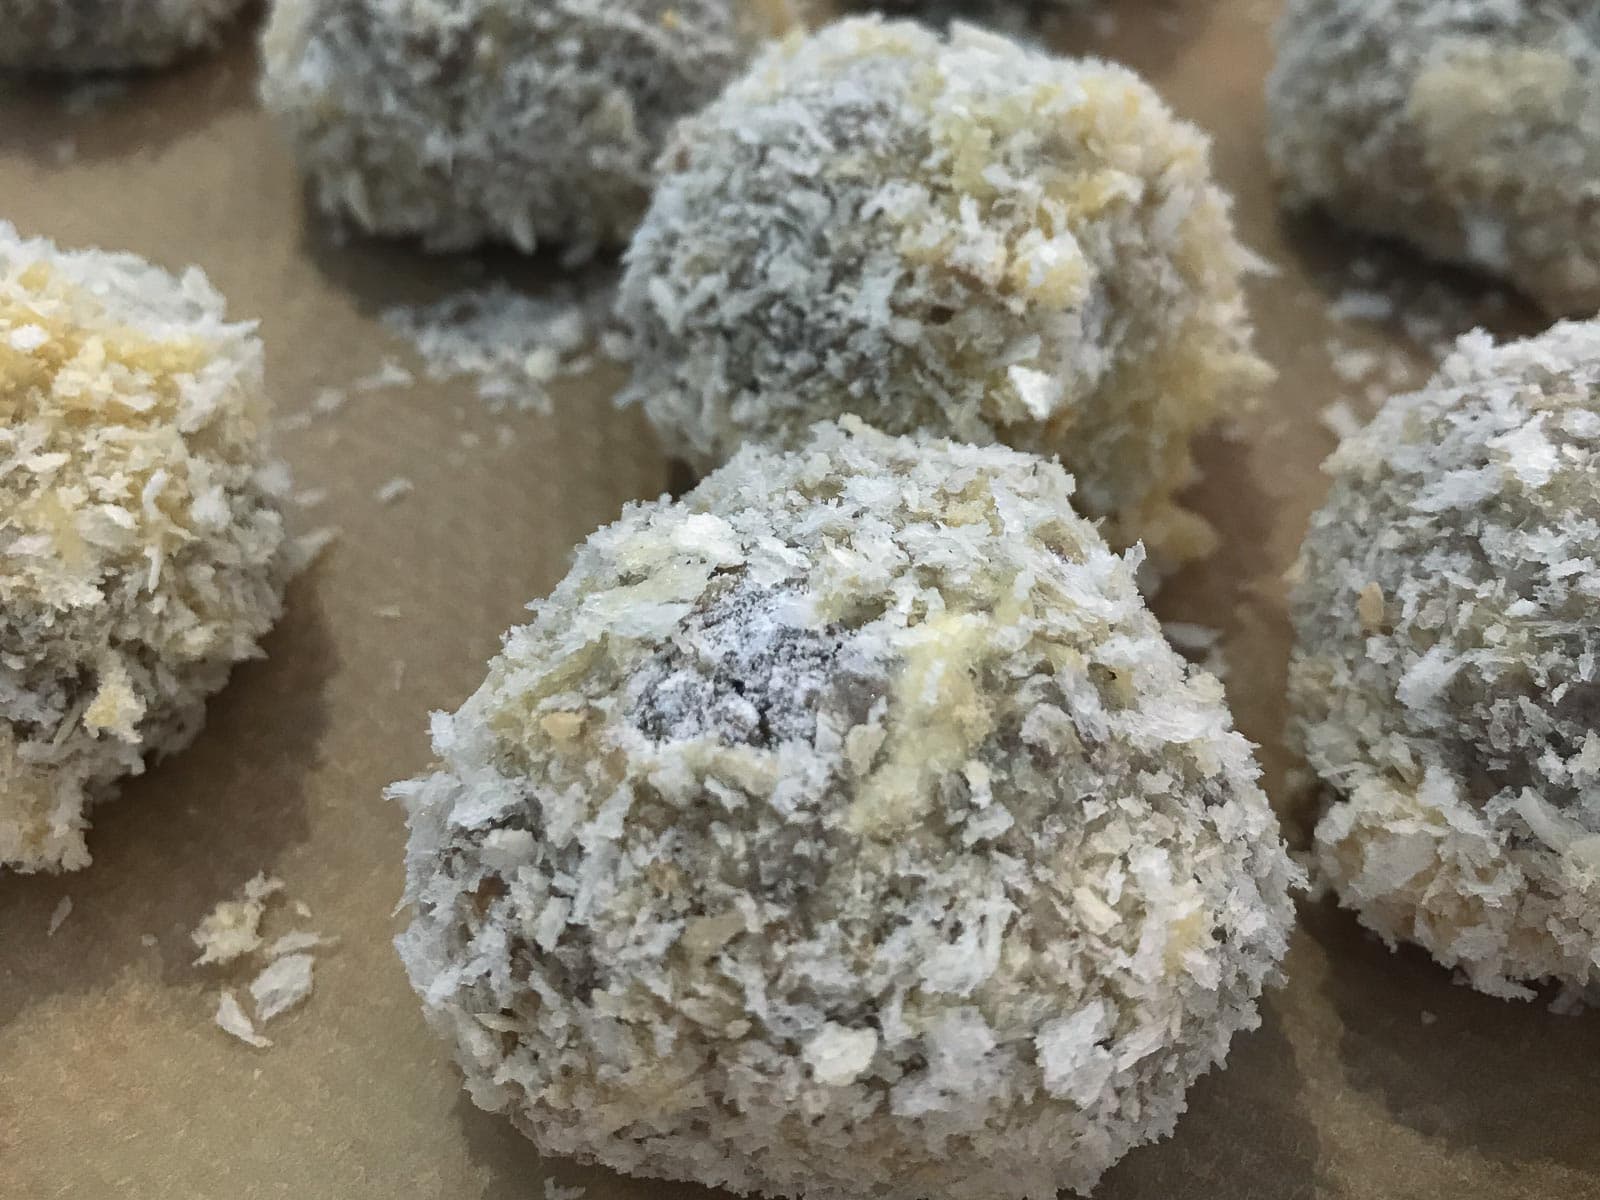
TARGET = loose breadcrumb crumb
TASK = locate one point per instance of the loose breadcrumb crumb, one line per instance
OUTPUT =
(284, 983)
(58, 915)
(233, 928)
(231, 1019)
(514, 345)
(300, 939)
(394, 489)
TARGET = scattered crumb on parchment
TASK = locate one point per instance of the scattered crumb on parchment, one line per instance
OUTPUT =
(389, 374)
(513, 344)
(62, 910)
(233, 927)
(300, 939)
(232, 1019)
(1428, 1018)
(148, 940)
(556, 1191)
(233, 931)
(284, 983)
(394, 489)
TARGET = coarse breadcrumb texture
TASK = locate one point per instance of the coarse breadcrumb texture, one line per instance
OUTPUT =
(845, 829)
(100, 35)
(141, 547)
(1468, 127)
(962, 236)
(474, 120)
(1445, 683)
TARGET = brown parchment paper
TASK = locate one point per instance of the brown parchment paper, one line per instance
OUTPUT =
(113, 1080)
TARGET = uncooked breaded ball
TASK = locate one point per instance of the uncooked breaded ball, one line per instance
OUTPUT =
(845, 829)
(141, 547)
(474, 120)
(1470, 128)
(1446, 678)
(101, 35)
(962, 236)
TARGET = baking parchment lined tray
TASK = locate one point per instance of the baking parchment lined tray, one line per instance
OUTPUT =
(1373, 1076)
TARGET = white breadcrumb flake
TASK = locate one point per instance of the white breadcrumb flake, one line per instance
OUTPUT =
(299, 940)
(473, 120)
(513, 345)
(233, 928)
(101, 35)
(846, 828)
(389, 375)
(284, 983)
(1471, 128)
(1445, 683)
(232, 1019)
(394, 489)
(58, 915)
(555, 1191)
(962, 236)
(142, 550)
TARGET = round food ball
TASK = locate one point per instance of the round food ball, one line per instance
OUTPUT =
(481, 121)
(1445, 683)
(963, 236)
(106, 35)
(845, 829)
(141, 546)
(1470, 128)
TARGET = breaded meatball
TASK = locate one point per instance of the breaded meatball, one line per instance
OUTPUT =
(846, 829)
(141, 545)
(1445, 683)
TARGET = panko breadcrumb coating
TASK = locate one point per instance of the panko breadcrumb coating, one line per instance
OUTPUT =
(962, 236)
(1470, 128)
(140, 539)
(476, 120)
(1445, 683)
(846, 829)
(107, 35)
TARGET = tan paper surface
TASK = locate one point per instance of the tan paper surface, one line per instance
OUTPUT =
(113, 1080)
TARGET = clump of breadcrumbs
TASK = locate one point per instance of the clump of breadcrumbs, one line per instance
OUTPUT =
(1445, 684)
(845, 829)
(474, 120)
(963, 236)
(141, 546)
(99, 35)
(1471, 128)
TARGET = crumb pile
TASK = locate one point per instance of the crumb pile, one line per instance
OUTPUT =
(99, 35)
(847, 828)
(231, 931)
(1445, 683)
(512, 344)
(475, 120)
(141, 547)
(1469, 127)
(962, 236)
